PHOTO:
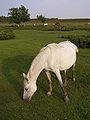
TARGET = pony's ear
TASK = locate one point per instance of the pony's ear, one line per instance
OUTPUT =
(24, 75)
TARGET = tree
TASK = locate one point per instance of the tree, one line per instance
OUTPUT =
(3, 19)
(41, 18)
(18, 15)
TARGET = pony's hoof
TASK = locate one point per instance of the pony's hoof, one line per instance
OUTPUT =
(48, 93)
(73, 79)
(66, 99)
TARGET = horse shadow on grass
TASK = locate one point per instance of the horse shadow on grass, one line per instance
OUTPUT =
(12, 69)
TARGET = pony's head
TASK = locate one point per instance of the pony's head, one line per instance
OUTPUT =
(29, 88)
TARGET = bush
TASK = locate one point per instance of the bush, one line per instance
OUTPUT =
(6, 34)
(82, 41)
(45, 28)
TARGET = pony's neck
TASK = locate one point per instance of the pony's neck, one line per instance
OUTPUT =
(34, 71)
(38, 65)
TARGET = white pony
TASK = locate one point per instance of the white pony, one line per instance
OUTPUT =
(54, 57)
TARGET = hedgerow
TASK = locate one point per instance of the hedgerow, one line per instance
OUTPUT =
(6, 34)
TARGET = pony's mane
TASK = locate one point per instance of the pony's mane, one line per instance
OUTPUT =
(48, 46)
(40, 58)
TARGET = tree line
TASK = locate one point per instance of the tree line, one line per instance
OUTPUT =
(18, 15)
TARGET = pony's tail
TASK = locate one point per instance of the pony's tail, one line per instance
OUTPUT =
(77, 49)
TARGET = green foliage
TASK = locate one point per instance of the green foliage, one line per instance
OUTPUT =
(44, 28)
(6, 34)
(3, 19)
(18, 15)
(82, 41)
(41, 18)
(59, 26)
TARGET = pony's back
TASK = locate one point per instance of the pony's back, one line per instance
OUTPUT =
(68, 44)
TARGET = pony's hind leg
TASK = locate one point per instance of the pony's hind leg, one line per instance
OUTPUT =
(65, 81)
(73, 72)
(62, 86)
(49, 82)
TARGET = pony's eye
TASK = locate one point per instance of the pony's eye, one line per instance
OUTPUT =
(26, 79)
(26, 89)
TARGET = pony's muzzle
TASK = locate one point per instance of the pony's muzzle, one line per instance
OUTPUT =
(26, 98)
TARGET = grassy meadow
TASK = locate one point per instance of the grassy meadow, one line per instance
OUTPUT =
(16, 56)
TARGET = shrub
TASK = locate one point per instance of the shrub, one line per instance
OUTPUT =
(82, 41)
(6, 34)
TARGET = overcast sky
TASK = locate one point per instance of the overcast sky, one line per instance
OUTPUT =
(50, 8)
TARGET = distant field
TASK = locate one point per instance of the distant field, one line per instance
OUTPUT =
(67, 23)
(16, 56)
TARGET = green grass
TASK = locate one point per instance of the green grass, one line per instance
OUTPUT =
(15, 58)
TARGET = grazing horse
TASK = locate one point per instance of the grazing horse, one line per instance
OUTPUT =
(54, 57)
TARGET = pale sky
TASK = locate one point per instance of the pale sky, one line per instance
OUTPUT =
(50, 8)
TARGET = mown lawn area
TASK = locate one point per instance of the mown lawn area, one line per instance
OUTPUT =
(16, 56)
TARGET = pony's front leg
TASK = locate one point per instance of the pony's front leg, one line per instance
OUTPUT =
(49, 82)
(73, 72)
(62, 86)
